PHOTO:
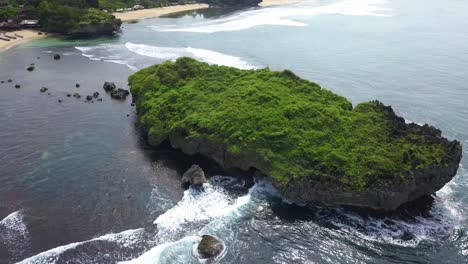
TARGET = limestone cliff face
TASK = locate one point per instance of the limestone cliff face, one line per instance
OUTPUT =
(96, 29)
(327, 192)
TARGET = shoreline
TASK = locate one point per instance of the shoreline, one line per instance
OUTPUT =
(28, 35)
(31, 34)
(156, 12)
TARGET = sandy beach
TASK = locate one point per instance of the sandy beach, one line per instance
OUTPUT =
(155, 12)
(27, 34)
(279, 2)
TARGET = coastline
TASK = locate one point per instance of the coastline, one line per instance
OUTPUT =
(156, 12)
(279, 2)
(28, 35)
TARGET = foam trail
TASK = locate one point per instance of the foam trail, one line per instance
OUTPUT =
(125, 238)
(212, 211)
(283, 16)
(208, 56)
(14, 233)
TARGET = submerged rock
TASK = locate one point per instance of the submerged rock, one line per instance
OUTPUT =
(109, 86)
(194, 176)
(44, 89)
(120, 94)
(210, 247)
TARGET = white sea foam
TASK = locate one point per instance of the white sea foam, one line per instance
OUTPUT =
(14, 233)
(125, 239)
(443, 220)
(283, 16)
(107, 53)
(169, 53)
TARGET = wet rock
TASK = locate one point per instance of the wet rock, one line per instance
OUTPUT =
(99, 99)
(133, 104)
(57, 57)
(2, 81)
(194, 176)
(44, 89)
(59, 100)
(17, 86)
(69, 95)
(40, 33)
(89, 98)
(77, 85)
(120, 94)
(30, 68)
(48, 93)
(210, 247)
(109, 86)
(9, 80)
(96, 94)
(76, 95)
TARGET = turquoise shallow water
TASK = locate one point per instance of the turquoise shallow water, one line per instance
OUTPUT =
(78, 184)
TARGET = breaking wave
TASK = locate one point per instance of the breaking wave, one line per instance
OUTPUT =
(282, 16)
(208, 56)
(14, 234)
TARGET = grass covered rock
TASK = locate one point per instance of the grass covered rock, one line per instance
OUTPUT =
(314, 145)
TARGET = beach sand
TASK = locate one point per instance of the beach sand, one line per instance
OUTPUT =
(279, 2)
(155, 12)
(27, 34)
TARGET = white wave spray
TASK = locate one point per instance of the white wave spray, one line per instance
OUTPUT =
(283, 16)
(208, 56)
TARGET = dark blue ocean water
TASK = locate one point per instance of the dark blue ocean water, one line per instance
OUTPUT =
(79, 185)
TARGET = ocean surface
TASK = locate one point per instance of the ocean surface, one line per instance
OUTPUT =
(78, 184)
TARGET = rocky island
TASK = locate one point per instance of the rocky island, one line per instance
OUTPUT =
(313, 144)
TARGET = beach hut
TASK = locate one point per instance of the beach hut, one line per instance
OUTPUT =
(3, 3)
(29, 23)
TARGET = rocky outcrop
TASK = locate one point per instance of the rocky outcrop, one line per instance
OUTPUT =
(194, 176)
(109, 86)
(233, 3)
(96, 29)
(119, 94)
(210, 247)
(326, 191)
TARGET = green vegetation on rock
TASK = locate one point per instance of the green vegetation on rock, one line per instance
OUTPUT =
(293, 125)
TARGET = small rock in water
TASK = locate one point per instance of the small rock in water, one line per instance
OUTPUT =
(17, 86)
(30, 68)
(44, 89)
(38, 58)
(59, 100)
(133, 104)
(128, 115)
(99, 99)
(96, 94)
(120, 94)
(57, 57)
(89, 98)
(210, 247)
(48, 93)
(109, 86)
(77, 85)
(69, 95)
(194, 176)
(9, 80)
(76, 95)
